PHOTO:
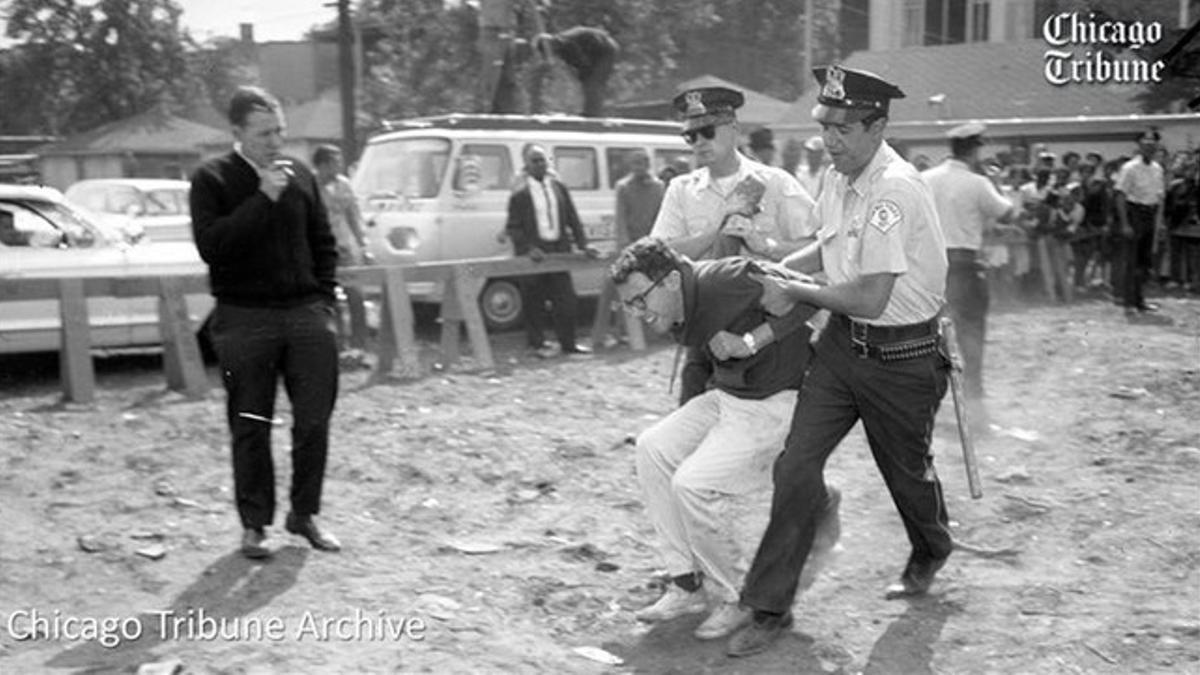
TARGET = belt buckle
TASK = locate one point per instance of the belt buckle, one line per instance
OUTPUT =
(858, 339)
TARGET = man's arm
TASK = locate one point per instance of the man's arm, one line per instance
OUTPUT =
(864, 297)
(577, 232)
(807, 260)
(226, 237)
(320, 236)
(515, 225)
(621, 216)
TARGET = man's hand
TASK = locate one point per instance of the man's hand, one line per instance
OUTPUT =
(591, 252)
(725, 345)
(775, 298)
(536, 254)
(755, 240)
(273, 179)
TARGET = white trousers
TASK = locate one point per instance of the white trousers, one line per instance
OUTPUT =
(691, 462)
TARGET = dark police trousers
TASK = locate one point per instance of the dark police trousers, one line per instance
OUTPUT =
(255, 345)
(897, 402)
(1137, 254)
(967, 301)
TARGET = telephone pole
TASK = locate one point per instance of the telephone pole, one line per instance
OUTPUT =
(346, 74)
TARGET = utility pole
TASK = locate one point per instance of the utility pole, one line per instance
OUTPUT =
(346, 74)
(806, 79)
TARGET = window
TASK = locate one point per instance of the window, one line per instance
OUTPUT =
(914, 23)
(166, 203)
(618, 163)
(41, 224)
(945, 22)
(483, 167)
(406, 167)
(665, 158)
(576, 167)
(978, 30)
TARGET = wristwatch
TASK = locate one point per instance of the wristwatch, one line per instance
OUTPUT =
(751, 343)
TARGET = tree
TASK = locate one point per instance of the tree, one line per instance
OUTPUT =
(110, 59)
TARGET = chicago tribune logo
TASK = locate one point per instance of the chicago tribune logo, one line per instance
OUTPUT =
(1099, 65)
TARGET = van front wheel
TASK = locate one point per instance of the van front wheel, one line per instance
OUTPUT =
(500, 304)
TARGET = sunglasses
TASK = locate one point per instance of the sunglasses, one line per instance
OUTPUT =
(637, 303)
(707, 132)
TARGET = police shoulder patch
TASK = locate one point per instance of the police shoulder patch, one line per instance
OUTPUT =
(885, 214)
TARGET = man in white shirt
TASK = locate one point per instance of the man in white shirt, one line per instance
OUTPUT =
(967, 203)
(812, 173)
(1139, 200)
(731, 205)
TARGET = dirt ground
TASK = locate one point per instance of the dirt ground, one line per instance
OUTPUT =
(491, 523)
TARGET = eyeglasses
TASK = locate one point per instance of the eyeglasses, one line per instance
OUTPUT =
(637, 303)
(706, 132)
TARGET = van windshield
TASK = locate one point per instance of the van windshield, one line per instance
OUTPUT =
(404, 167)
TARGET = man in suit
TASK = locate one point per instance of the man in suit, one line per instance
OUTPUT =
(540, 215)
(259, 221)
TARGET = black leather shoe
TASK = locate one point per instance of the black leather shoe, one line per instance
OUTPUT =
(917, 578)
(255, 544)
(578, 349)
(1148, 307)
(306, 527)
(759, 634)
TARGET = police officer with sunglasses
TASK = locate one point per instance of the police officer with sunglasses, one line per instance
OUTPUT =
(730, 205)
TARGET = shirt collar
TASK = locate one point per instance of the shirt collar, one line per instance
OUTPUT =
(705, 179)
(883, 156)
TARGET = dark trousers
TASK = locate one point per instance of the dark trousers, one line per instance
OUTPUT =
(697, 371)
(897, 403)
(1137, 253)
(255, 346)
(557, 289)
(967, 300)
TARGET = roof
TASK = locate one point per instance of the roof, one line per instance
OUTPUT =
(535, 122)
(980, 80)
(138, 183)
(153, 132)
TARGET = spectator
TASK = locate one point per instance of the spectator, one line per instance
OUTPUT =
(542, 219)
(346, 222)
(812, 176)
(762, 146)
(1139, 202)
(259, 223)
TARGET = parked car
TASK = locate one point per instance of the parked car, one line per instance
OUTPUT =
(156, 207)
(44, 235)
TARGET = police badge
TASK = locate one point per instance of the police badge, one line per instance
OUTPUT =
(695, 103)
(834, 83)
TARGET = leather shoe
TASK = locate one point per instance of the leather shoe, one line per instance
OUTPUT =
(254, 543)
(577, 349)
(1148, 307)
(759, 635)
(917, 578)
(306, 527)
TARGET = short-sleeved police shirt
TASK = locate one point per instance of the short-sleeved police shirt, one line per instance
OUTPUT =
(965, 202)
(694, 204)
(885, 222)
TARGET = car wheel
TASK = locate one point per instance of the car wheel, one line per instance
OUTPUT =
(500, 304)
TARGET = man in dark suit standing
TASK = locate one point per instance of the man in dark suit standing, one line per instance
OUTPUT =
(259, 222)
(540, 214)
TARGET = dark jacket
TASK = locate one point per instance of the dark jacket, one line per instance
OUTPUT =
(262, 253)
(721, 295)
(522, 226)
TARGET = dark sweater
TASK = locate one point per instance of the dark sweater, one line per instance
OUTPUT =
(720, 295)
(262, 253)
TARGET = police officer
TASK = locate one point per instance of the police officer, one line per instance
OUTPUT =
(877, 360)
(713, 211)
(967, 203)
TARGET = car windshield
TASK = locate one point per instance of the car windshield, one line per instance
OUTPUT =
(41, 222)
(166, 202)
(407, 167)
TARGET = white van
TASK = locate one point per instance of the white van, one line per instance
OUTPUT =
(437, 188)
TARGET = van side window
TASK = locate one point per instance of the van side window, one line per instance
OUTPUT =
(618, 163)
(408, 167)
(488, 166)
(664, 158)
(576, 167)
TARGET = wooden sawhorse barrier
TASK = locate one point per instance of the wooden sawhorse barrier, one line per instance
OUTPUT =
(181, 352)
(462, 282)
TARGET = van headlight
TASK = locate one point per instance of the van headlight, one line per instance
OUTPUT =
(403, 239)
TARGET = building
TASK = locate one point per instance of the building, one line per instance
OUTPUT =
(987, 60)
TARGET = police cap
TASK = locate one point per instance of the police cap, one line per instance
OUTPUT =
(703, 106)
(849, 95)
(966, 135)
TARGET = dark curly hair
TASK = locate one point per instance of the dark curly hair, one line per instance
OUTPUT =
(649, 255)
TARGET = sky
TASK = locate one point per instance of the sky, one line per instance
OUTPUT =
(272, 19)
